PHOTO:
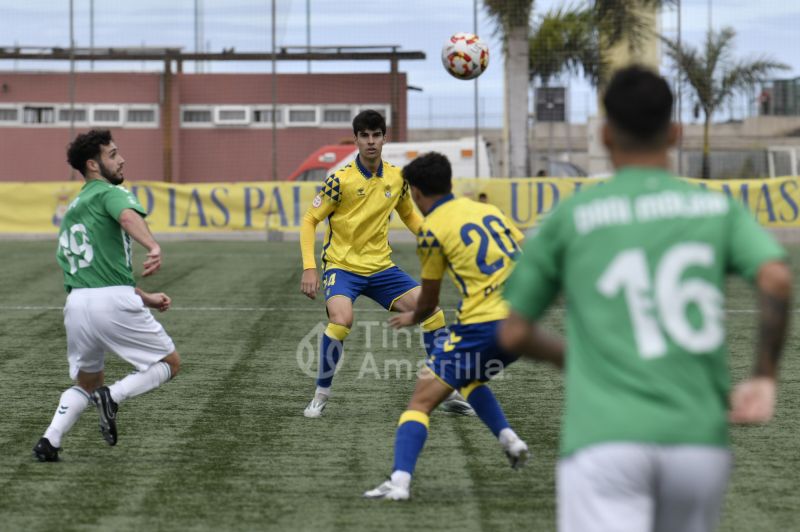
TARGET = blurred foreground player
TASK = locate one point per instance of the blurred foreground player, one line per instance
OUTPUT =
(641, 262)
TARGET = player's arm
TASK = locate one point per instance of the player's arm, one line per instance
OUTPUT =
(532, 287)
(405, 209)
(320, 209)
(753, 400)
(157, 300)
(518, 335)
(133, 224)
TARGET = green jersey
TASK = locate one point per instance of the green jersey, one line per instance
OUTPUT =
(641, 261)
(93, 249)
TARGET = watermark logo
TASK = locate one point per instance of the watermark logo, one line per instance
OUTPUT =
(402, 354)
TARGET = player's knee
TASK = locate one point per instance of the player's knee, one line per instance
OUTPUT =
(343, 318)
(173, 360)
(337, 331)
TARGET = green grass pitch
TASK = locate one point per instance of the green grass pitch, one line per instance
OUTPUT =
(225, 445)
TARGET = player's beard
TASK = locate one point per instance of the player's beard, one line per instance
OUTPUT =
(113, 178)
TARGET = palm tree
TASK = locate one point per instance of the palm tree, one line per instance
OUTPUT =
(715, 76)
(565, 41)
(513, 20)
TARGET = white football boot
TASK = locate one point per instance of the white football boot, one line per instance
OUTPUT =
(455, 404)
(389, 491)
(517, 452)
(316, 406)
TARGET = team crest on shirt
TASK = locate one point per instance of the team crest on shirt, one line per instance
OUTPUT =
(388, 191)
(361, 192)
(317, 201)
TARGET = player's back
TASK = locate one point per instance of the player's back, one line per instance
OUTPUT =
(93, 249)
(478, 247)
(642, 261)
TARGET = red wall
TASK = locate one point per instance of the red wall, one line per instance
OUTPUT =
(37, 153)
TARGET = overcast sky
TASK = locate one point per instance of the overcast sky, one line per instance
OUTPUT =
(767, 27)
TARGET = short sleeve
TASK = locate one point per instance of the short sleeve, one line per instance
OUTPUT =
(431, 256)
(117, 199)
(536, 279)
(749, 244)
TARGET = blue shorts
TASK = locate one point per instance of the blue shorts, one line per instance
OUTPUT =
(471, 353)
(383, 287)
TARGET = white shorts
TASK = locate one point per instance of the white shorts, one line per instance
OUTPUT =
(636, 487)
(111, 320)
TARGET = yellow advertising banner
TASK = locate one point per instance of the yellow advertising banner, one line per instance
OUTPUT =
(256, 206)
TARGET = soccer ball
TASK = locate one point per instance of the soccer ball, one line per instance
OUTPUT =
(465, 56)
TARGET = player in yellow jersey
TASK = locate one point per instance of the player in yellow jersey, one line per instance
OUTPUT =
(357, 201)
(477, 246)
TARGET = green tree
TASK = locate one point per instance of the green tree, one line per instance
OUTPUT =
(564, 40)
(715, 76)
(512, 18)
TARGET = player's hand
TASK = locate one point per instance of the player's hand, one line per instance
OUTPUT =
(404, 319)
(153, 261)
(753, 400)
(159, 301)
(309, 283)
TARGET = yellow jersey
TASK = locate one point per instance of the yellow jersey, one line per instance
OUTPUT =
(357, 205)
(478, 246)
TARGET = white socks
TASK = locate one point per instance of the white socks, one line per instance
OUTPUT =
(401, 478)
(507, 437)
(140, 382)
(322, 391)
(72, 404)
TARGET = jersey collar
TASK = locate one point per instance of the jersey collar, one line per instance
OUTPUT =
(366, 173)
(440, 201)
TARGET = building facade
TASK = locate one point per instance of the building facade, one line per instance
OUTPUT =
(188, 127)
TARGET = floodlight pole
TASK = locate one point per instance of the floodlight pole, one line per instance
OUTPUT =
(475, 31)
(274, 97)
(91, 30)
(308, 33)
(71, 76)
(680, 96)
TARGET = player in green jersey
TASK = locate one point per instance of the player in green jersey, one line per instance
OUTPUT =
(641, 262)
(104, 311)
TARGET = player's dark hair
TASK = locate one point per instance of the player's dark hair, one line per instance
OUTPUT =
(87, 146)
(638, 105)
(430, 173)
(369, 119)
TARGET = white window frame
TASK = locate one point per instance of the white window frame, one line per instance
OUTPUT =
(197, 125)
(23, 123)
(333, 107)
(313, 123)
(142, 107)
(18, 121)
(280, 111)
(77, 107)
(106, 107)
(219, 121)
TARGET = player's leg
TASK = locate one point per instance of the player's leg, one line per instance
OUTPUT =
(691, 487)
(397, 291)
(486, 407)
(412, 431)
(606, 487)
(341, 289)
(86, 357)
(143, 343)
(71, 404)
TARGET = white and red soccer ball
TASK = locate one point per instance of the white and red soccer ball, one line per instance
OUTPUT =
(465, 55)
